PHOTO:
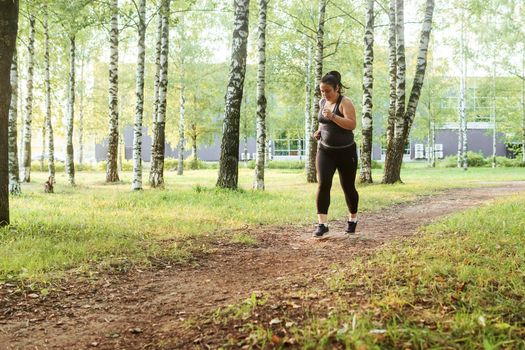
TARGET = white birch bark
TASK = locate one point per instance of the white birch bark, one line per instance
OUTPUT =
(494, 111)
(70, 161)
(14, 179)
(229, 160)
(368, 82)
(392, 74)
(26, 166)
(81, 114)
(113, 137)
(48, 122)
(180, 164)
(136, 184)
(392, 172)
(311, 176)
(523, 102)
(157, 161)
(261, 98)
(462, 99)
(156, 84)
(308, 103)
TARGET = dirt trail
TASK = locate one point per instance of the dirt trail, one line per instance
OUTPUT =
(145, 309)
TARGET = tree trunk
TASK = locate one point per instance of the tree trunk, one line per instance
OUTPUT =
(8, 31)
(48, 123)
(70, 160)
(392, 64)
(245, 130)
(395, 151)
(494, 111)
(42, 155)
(14, 178)
(194, 136)
(523, 103)
(180, 164)
(136, 183)
(311, 176)
(26, 174)
(157, 159)
(368, 80)
(229, 160)
(261, 99)
(406, 118)
(156, 94)
(308, 106)
(113, 138)
(462, 132)
(81, 115)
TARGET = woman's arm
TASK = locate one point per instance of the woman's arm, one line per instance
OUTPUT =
(349, 120)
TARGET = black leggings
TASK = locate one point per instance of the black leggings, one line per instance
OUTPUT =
(345, 161)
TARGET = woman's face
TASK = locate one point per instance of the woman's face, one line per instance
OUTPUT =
(328, 92)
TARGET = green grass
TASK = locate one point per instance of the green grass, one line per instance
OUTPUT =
(459, 285)
(96, 224)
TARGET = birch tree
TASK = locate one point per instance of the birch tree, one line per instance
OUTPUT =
(113, 137)
(311, 175)
(14, 179)
(28, 117)
(308, 102)
(392, 68)
(180, 164)
(229, 159)
(156, 83)
(368, 80)
(462, 130)
(261, 98)
(405, 116)
(136, 183)
(157, 157)
(8, 31)
(48, 122)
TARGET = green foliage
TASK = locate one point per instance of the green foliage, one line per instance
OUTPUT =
(36, 166)
(279, 164)
(477, 160)
(508, 163)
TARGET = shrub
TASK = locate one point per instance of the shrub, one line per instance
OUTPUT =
(286, 164)
(508, 163)
(35, 166)
(377, 165)
(476, 159)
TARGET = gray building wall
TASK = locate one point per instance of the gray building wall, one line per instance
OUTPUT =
(478, 140)
(206, 152)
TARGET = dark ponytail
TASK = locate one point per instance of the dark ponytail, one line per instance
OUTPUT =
(333, 78)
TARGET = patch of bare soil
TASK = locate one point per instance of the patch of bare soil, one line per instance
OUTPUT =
(150, 309)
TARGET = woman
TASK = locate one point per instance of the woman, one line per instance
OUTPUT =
(336, 150)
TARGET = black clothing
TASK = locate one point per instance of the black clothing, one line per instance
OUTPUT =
(332, 135)
(345, 161)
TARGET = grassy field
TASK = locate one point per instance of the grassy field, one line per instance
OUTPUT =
(459, 285)
(98, 225)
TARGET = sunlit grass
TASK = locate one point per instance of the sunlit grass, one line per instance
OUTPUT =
(458, 285)
(97, 223)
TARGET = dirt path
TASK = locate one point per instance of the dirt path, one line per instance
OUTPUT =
(149, 309)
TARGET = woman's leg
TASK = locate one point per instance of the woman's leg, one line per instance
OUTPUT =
(347, 167)
(325, 172)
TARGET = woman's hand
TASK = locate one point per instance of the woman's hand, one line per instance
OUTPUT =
(328, 114)
(317, 135)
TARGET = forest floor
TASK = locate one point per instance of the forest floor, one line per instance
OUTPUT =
(174, 306)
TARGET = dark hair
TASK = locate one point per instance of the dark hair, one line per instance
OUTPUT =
(333, 78)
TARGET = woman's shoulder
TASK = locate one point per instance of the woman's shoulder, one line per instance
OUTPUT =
(346, 100)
